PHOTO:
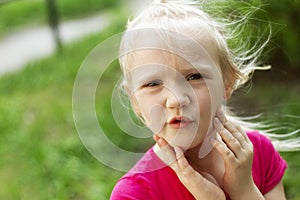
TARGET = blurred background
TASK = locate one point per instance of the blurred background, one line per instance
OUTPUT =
(42, 45)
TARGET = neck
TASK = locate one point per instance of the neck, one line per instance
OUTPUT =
(212, 163)
(202, 164)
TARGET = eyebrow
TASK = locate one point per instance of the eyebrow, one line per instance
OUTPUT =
(149, 74)
(198, 68)
(154, 72)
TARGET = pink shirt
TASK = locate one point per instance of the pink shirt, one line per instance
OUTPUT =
(143, 183)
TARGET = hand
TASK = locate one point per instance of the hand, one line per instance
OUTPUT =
(198, 185)
(237, 151)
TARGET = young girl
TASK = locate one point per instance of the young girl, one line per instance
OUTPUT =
(178, 74)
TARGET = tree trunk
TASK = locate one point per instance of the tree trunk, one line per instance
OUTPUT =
(53, 20)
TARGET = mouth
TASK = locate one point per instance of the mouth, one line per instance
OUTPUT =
(180, 122)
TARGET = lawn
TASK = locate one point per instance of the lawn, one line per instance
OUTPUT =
(41, 154)
(21, 13)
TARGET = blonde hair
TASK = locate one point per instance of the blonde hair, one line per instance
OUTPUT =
(237, 63)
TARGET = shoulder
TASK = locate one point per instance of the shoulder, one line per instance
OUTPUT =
(132, 187)
(261, 143)
(257, 138)
(141, 181)
(268, 166)
(146, 181)
(263, 147)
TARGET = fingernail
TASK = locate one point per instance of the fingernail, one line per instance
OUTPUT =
(219, 138)
(213, 141)
(221, 115)
(155, 137)
(218, 125)
(159, 142)
(219, 111)
(163, 141)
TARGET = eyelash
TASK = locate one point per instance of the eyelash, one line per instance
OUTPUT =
(196, 76)
(152, 84)
(190, 77)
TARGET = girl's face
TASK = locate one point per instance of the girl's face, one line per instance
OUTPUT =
(176, 98)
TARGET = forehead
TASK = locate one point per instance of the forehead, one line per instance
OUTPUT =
(144, 46)
(153, 57)
(175, 60)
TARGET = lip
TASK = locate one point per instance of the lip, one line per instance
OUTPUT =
(180, 122)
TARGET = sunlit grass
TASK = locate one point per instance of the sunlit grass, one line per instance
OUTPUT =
(41, 154)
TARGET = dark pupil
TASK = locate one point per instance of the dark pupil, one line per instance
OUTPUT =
(152, 84)
(194, 76)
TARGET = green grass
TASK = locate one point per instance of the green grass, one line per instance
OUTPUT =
(41, 154)
(33, 12)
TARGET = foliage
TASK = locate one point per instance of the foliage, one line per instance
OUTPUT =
(281, 18)
(286, 18)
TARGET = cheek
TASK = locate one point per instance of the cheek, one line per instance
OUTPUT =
(204, 101)
(152, 112)
(206, 111)
(215, 91)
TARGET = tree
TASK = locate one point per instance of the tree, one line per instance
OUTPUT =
(53, 19)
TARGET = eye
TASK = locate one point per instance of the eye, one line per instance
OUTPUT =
(152, 83)
(195, 76)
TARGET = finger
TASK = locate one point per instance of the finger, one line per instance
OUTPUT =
(160, 141)
(237, 134)
(181, 160)
(156, 137)
(228, 125)
(221, 116)
(227, 155)
(166, 151)
(223, 119)
(243, 132)
(232, 143)
(185, 171)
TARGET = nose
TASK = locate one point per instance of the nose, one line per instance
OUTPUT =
(177, 99)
